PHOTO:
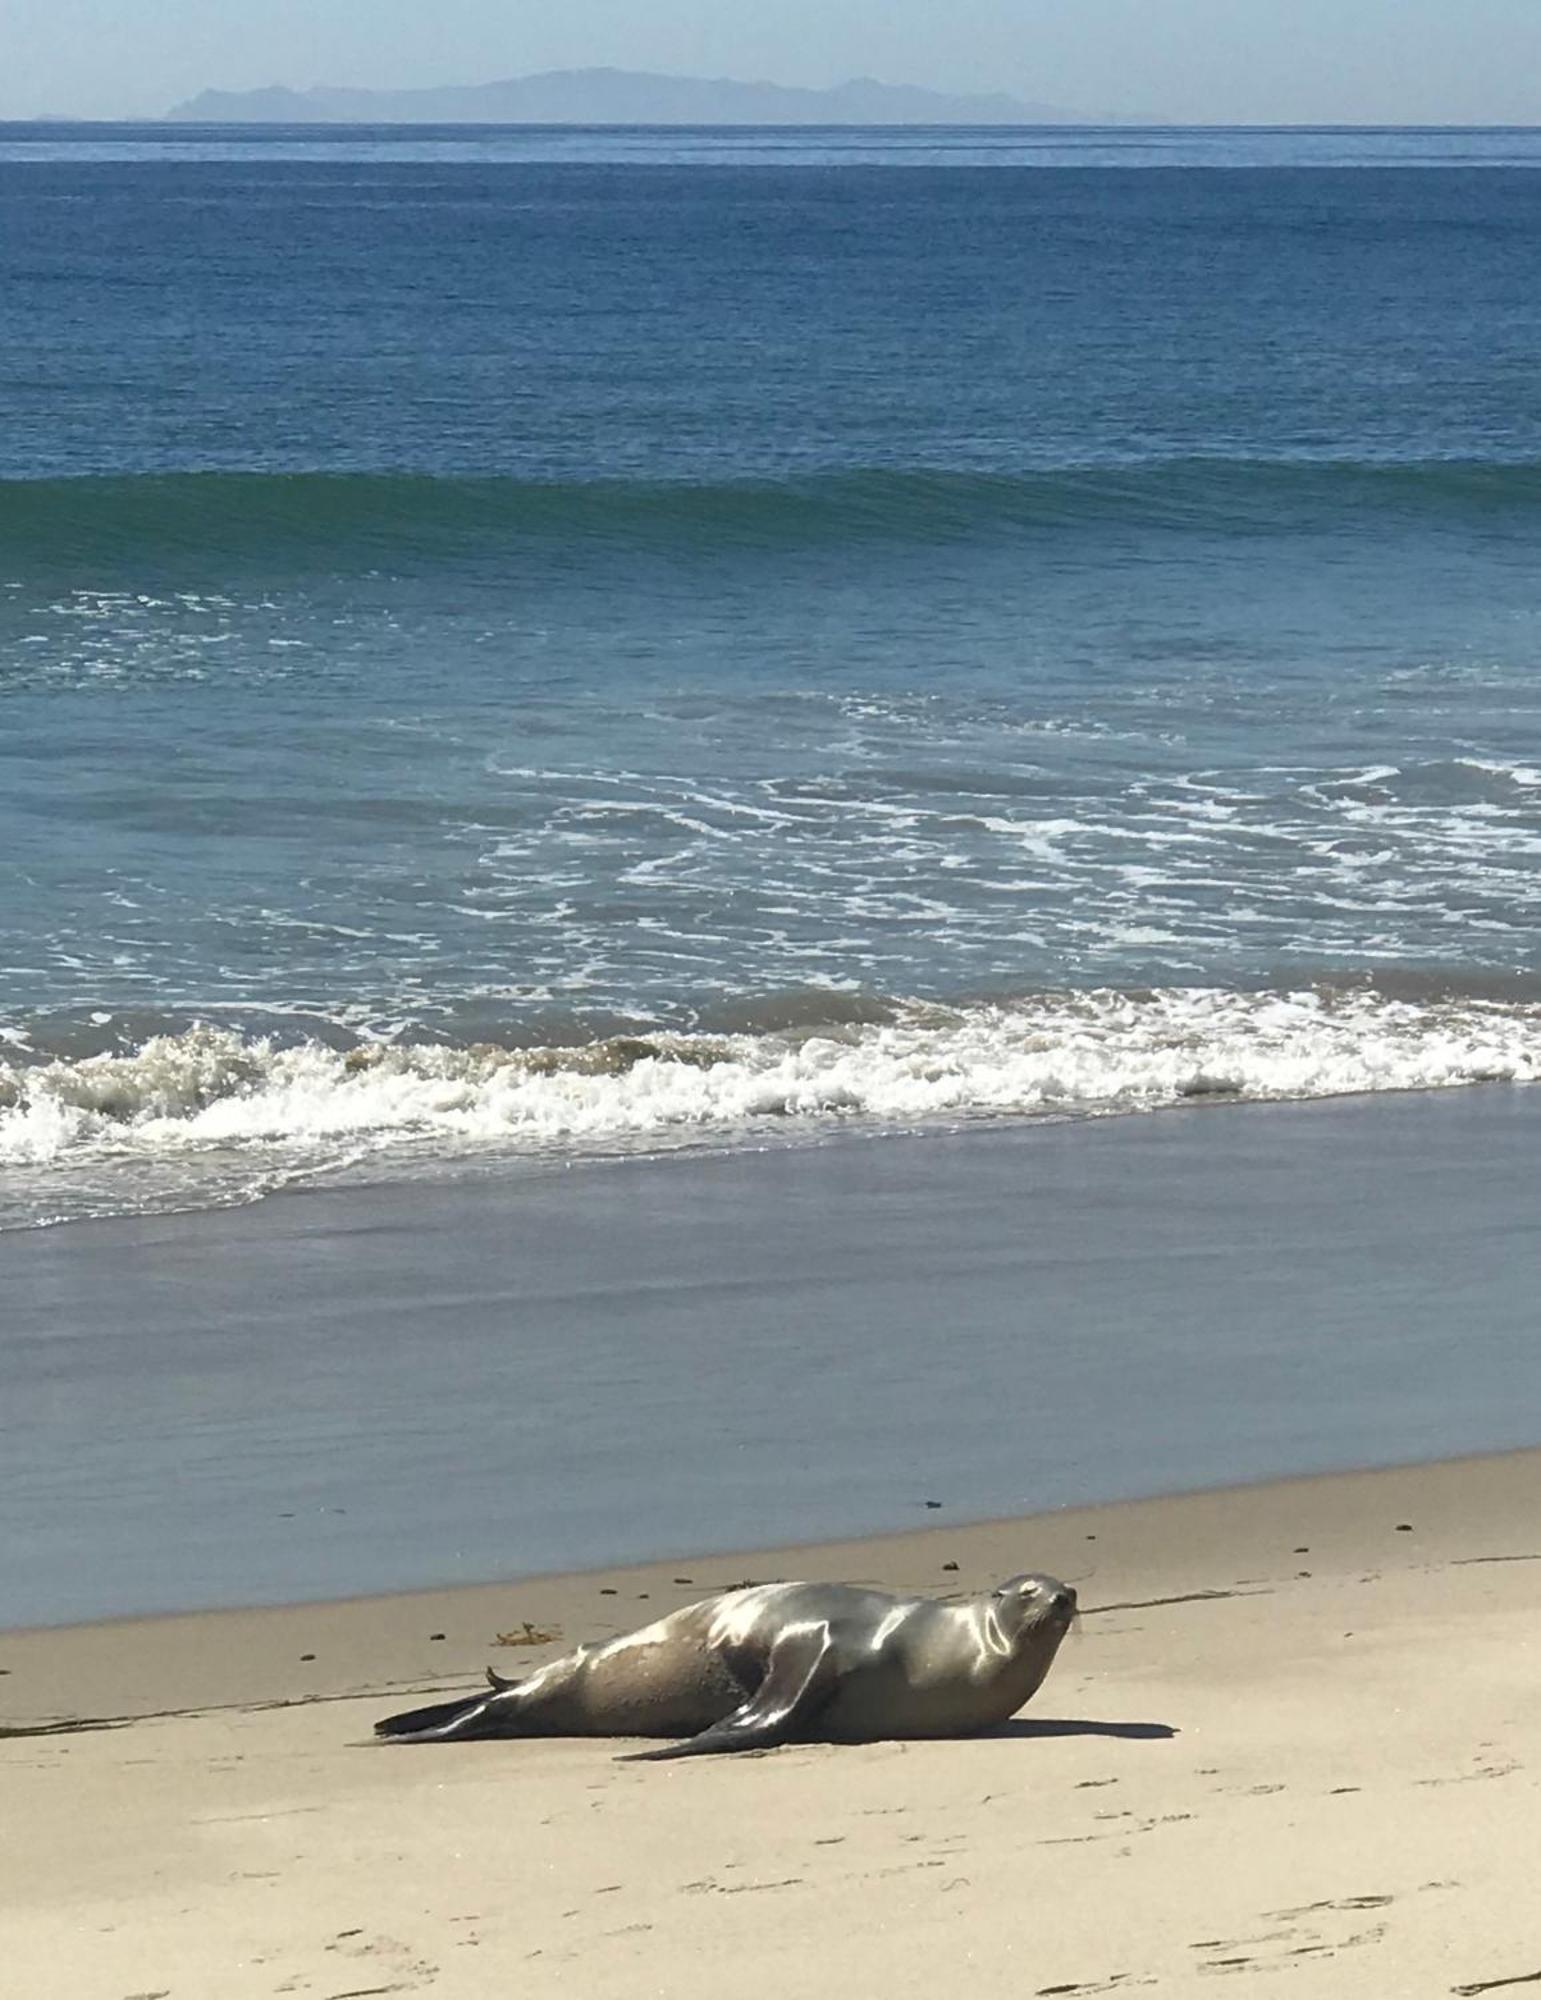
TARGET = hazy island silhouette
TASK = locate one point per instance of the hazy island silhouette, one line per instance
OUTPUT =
(619, 97)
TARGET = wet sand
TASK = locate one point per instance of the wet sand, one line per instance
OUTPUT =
(376, 1388)
(1297, 1735)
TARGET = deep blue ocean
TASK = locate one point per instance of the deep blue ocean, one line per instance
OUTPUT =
(530, 640)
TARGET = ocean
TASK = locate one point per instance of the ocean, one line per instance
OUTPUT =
(520, 646)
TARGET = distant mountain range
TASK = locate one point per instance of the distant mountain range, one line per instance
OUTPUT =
(616, 97)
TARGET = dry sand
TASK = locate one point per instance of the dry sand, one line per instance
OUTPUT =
(1298, 1737)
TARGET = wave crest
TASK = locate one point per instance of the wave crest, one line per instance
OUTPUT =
(213, 1091)
(321, 519)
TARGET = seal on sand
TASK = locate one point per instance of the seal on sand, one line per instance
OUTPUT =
(782, 1662)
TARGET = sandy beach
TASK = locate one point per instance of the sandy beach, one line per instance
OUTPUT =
(1296, 1732)
(1296, 1736)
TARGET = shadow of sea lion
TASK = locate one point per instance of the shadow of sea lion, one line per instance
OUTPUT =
(1134, 1732)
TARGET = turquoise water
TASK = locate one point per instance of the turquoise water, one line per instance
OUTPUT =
(514, 641)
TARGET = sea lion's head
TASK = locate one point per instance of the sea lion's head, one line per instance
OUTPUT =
(1033, 1609)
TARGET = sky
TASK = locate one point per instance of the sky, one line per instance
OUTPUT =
(1207, 61)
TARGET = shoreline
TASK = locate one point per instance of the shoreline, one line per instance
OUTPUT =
(1295, 1733)
(157, 1664)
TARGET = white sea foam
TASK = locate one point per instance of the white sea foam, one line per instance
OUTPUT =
(213, 1092)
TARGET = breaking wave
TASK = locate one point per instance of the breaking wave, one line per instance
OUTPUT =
(230, 1114)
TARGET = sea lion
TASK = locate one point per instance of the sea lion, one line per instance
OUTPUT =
(782, 1662)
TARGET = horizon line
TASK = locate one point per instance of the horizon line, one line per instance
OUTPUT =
(1121, 122)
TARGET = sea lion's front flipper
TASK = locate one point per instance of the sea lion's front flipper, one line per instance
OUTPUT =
(799, 1678)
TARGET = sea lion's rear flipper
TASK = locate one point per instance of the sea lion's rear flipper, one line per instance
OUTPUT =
(799, 1679)
(445, 1721)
